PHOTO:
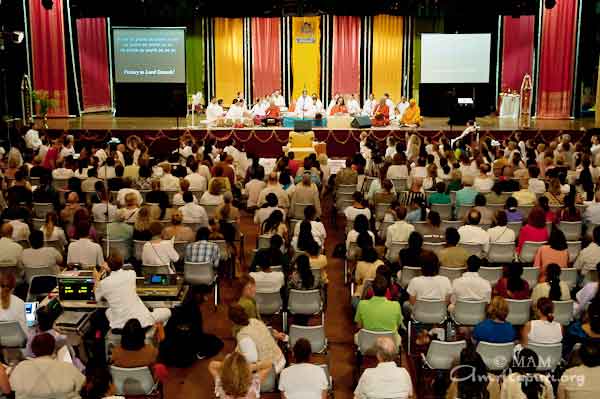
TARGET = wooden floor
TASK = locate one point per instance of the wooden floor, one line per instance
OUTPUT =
(195, 382)
(105, 121)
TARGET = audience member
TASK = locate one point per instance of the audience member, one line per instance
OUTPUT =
(495, 328)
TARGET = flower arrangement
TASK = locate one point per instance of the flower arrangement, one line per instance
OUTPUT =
(44, 103)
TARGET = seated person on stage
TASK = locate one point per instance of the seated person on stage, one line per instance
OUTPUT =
(412, 114)
(235, 111)
(214, 110)
(273, 112)
(381, 114)
(339, 107)
(119, 289)
(305, 107)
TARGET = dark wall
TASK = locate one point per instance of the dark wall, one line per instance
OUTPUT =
(150, 99)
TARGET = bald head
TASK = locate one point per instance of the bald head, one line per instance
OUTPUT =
(73, 198)
(7, 230)
(385, 349)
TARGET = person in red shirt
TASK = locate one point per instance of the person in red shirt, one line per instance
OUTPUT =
(381, 114)
(52, 154)
(512, 285)
(293, 165)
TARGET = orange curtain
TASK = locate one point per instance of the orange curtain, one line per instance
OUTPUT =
(266, 55)
(229, 58)
(388, 37)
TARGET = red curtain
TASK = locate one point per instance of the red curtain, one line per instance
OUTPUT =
(266, 56)
(48, 53)
(557, 60)
(93, 63)
(346, 55)
(517, 51)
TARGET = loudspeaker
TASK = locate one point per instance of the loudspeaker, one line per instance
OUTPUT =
(302, 125)
(361, 122)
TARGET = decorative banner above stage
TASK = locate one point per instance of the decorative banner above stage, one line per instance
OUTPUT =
(346, 55)
(194, 56)
(229, 58)
(306, 55)
(93, 64)
(557, 60)
(48, 54)
(388, 42)
(517, 50)
(266, 56)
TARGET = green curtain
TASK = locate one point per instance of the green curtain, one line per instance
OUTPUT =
(194, 48)
(422, 25)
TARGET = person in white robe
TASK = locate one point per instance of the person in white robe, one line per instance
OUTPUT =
(32, 138)
(318, 104)
(353, 106)
(370, 105)
(390, 104)
(402, 106)
(304, 106)
(214, 110)
(235, 112)
(278, 99)
(259, 109)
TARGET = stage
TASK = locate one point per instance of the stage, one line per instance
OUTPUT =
(161, 134)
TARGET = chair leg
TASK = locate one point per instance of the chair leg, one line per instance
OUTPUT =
(216, 295)
(409, 336)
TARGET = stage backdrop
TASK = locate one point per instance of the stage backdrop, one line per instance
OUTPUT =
(557, 61)
(229, 58)
(306, 55)
(194, 57)
(422, 25)
(93, 64)
(346, 55)
(517, 50)
(48, 53)
(266, 56)
(388, 38)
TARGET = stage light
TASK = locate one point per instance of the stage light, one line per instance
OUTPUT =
(550, 4)
(48, 4)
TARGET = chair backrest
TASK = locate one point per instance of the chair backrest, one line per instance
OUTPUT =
(573, 247)
(138, 248)
(119, 246)
(400, 184)
(571, 230)
(590, 276)
(263, 241)
(180, 248)
(199, 273)
(445, 210)
(529, 250)
(496, 357)
(133, 380)
(451, 223)
(472, 249)
(12, 335)
(519, 311)
(40, 286)
(435, 247)
(430, 311)
(501, 252)
(305, 302)
(37, 223)
(41, 209)
(569, 276)
(491, 274)
(549, 355)
(100, 228)
(452, 272)
(223, 249)
(366, 340)
(443, 355)
(31, 272)
(154, 269)
(211, 210)
(407, 274)
(515, 226)
(345, 189)
(531, 274)
(383, 229)
(394, 250)
(462, 210)
(563, 312)
(380, 210)
(314, 334)
(56, 244)
(59, 183)
(299, 210)
(469, 313)
(421, 227)
(525, 209)
(269, 303)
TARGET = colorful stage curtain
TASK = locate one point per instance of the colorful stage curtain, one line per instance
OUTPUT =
(517, 50)
(306, 55)
(597, 105)
(422, 25)
(48, 53)
(194, 57)
(346, 55)
(388, 37)
(266, 56)
(229, 58)
(557, 60)
(93, 64)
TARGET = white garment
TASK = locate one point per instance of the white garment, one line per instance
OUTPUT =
(159, 254)
(471, 287)
(352, 212)
(262, 214)
(20, 230)
(213, 112)
(67, 151)
(86, 252)
(101, 210)
(235, 112)
(168, 182)
(268, 282)
(316, 228)
(118, 289)
(193, 213)
(123, 193)
(588, 258)
(248, 348)
(353, 107)
(397, 172)
(385, 381)
(32, 139)
(106, 172)
(398, 232)
(46, 377)
(197, 181)
(62, 173)
(369, 107)
(41, 257)
(537, 186)
(303, 381)
(352, 236)
(402, 106)
(436, 288)
(545, 332)
(391, 106)
(470, 234)
(178, 200)
(305, 106)
(210, 199)
(501, 234)
(15, 312)
(10, 252)
(58, 234)
(252, 190)
(483, 184)
(278, 100)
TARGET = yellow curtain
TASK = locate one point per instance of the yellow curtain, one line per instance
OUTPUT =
(388, 36)
(229, 58)
(306, 55)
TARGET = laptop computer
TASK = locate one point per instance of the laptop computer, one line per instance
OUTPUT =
(31, 313)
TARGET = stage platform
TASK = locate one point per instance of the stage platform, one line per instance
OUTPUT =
(162, 134)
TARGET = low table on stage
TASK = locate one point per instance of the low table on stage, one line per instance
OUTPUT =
(509, 106)
(339, 122)
(288, 121)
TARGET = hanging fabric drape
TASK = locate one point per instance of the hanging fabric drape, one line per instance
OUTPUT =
(422, 25)
(557, 60)
(48, 58)
(346, 55)
(517, 50)
(93, 64)
(194, 54)
(597, 106)
(229, 58)
(388, 36)
(306, 55)
(266, 56)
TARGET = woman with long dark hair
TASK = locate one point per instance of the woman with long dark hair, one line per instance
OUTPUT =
(303, 278)
(556, 251)
(512, 285)
(305, 237)
(470, 379)
(569, 212)
(543, 330)
(274, 225)
(552, 288)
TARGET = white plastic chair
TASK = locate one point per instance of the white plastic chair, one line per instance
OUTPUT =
(573, 247)
(269, 303)
(451, 223)
(529, 250)
(408, 273)
(515, 226)
(138, 248)
(367, 338)
(443, 355)
(497, 357)
(563, 312)
(41, 209)
(133, 381)
(305, 302)
(501, 252)
(380, 210)
(571, 230)
(472, 249)
(519, 311)
(263, 241)
(491, 274)
(531, 274)
(549, 355)
(445, 210)
(121, 247)
(435, 247)
(314, 334)
(393, 252)
(469, 313)
(569, 276)
(429, 311)
(400, 184)
(452, 272)
(12, 335)
(202, 273)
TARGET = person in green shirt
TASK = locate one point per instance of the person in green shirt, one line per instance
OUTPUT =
(379, 313)
(440, 196)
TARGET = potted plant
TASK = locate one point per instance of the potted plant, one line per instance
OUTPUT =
(44, 103)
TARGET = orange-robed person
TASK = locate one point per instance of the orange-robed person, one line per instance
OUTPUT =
(273, 111)
(381, 114)
(339, 107)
